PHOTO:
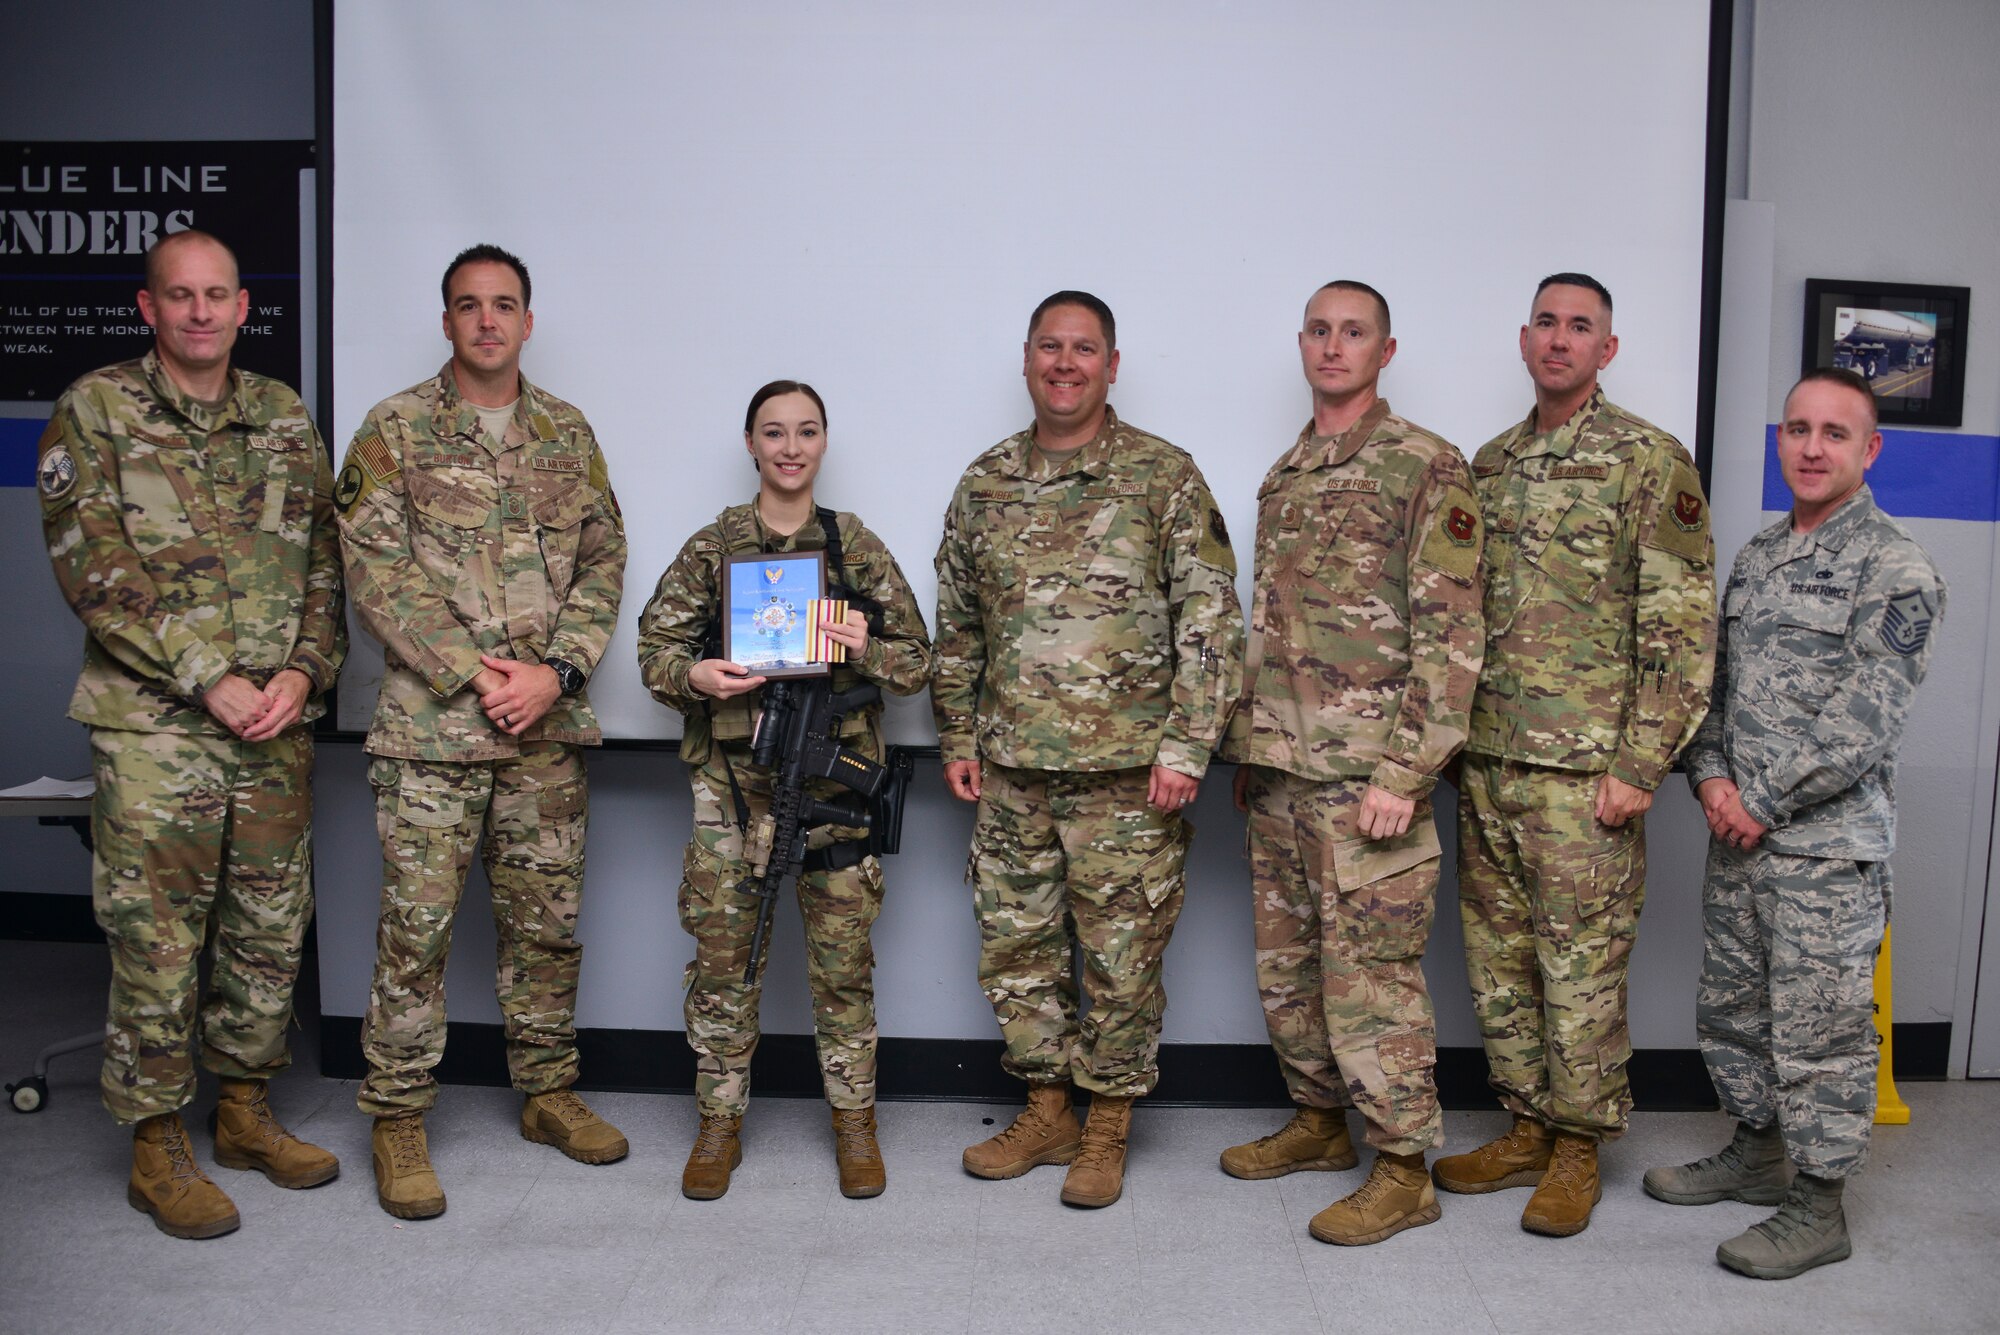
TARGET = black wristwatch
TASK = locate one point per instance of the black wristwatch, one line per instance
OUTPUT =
(568, 675)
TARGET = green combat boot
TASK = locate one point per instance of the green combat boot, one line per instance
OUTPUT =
(248, 1135)
(1751, 1168)
(1396, 1196)
(1810, 1229)
(561, 1119)
(405, 1183)
(167, 1184)
(1315, 1140)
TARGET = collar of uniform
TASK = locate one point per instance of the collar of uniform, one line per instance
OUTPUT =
(1561, 441)
(1337, 451)
(454, 416)
(198, 414)
(1092, 459)
(807, 537)
(1838, 527)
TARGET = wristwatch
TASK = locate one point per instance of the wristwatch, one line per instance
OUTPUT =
(568, 675)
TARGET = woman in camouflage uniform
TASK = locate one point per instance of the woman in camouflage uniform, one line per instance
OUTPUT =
(681, 663)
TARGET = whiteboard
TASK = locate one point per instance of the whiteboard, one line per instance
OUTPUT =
(872, 197)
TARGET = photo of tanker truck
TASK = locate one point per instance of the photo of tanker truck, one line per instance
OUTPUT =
(1873, 342)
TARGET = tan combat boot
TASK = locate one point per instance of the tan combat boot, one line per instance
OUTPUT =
(1396, 1196)
(1097, 1178)
(718, 1148)
(1810, 1229)
(1562, 1203)
(247, 1135)
(1045, 1132)
(168, 1185)
(859, 1157)
(1517, 1159)
(405, 1184)
(561, 1119)
(1315, 1140)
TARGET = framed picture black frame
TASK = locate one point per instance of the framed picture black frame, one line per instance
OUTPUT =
(764, 597)
(1906, 339)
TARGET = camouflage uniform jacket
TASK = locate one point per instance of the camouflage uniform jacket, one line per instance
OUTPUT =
(1365, 630)
(1087, 614)
(457, 547)
(192, 542)
(1825, 638)
(674, 628)
(1600, 596)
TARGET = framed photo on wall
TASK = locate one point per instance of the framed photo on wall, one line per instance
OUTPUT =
(1907, 340)
(769, 599)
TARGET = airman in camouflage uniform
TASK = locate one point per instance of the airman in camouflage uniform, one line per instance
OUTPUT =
(1600, 628)
(1365, 641)
(1089, 647)
(718, 905)
(485, 550)
(1827, 631)
(189, 516)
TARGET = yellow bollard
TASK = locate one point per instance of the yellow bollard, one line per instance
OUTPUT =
(1890, 1110)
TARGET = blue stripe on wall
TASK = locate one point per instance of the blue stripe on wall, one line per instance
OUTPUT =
(18, 438)
(1919, 475)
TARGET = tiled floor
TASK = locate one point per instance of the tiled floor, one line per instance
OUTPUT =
(533, 1242)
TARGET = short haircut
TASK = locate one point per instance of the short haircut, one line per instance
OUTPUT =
(1095, 305)
(1576, 280)
(487, 254)
(156, 254)
(1846, 379)
(772, 391)
(1356, 285)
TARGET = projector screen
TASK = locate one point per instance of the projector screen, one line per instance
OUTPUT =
(872, 197)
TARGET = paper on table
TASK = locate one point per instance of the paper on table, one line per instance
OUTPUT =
(45, 787)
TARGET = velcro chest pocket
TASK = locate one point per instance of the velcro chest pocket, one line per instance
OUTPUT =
(448, 504)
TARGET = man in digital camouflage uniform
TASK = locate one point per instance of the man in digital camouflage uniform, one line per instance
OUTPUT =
(1827, 631)
(1365, 641)
(1089, 646)
(189, 515)
(1600, 632)
(485, 550)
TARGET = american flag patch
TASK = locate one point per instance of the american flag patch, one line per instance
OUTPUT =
(375, 457)
(820, 613)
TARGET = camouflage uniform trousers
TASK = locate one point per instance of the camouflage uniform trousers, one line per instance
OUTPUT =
(1785, 1011)
(198, 839)
(533, 809)
(1061, 856)
(1341, 922)
(719, 910)
(1550, 902)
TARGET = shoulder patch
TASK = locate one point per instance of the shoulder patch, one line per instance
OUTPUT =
(1906, 623)
(1214, 549)
(374, 458)
(1681, 526)
(350, 487)
(1451, 545)
(55, 472)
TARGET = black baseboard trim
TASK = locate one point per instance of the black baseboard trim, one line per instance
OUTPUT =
(968, 1070)
(41, 916)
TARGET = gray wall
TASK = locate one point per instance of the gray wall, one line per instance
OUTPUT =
(103, 70)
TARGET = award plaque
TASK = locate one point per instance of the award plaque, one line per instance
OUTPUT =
(768, 599)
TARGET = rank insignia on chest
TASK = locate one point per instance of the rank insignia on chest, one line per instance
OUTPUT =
(1461, 525)
(1687, 511)
(1906, 623)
